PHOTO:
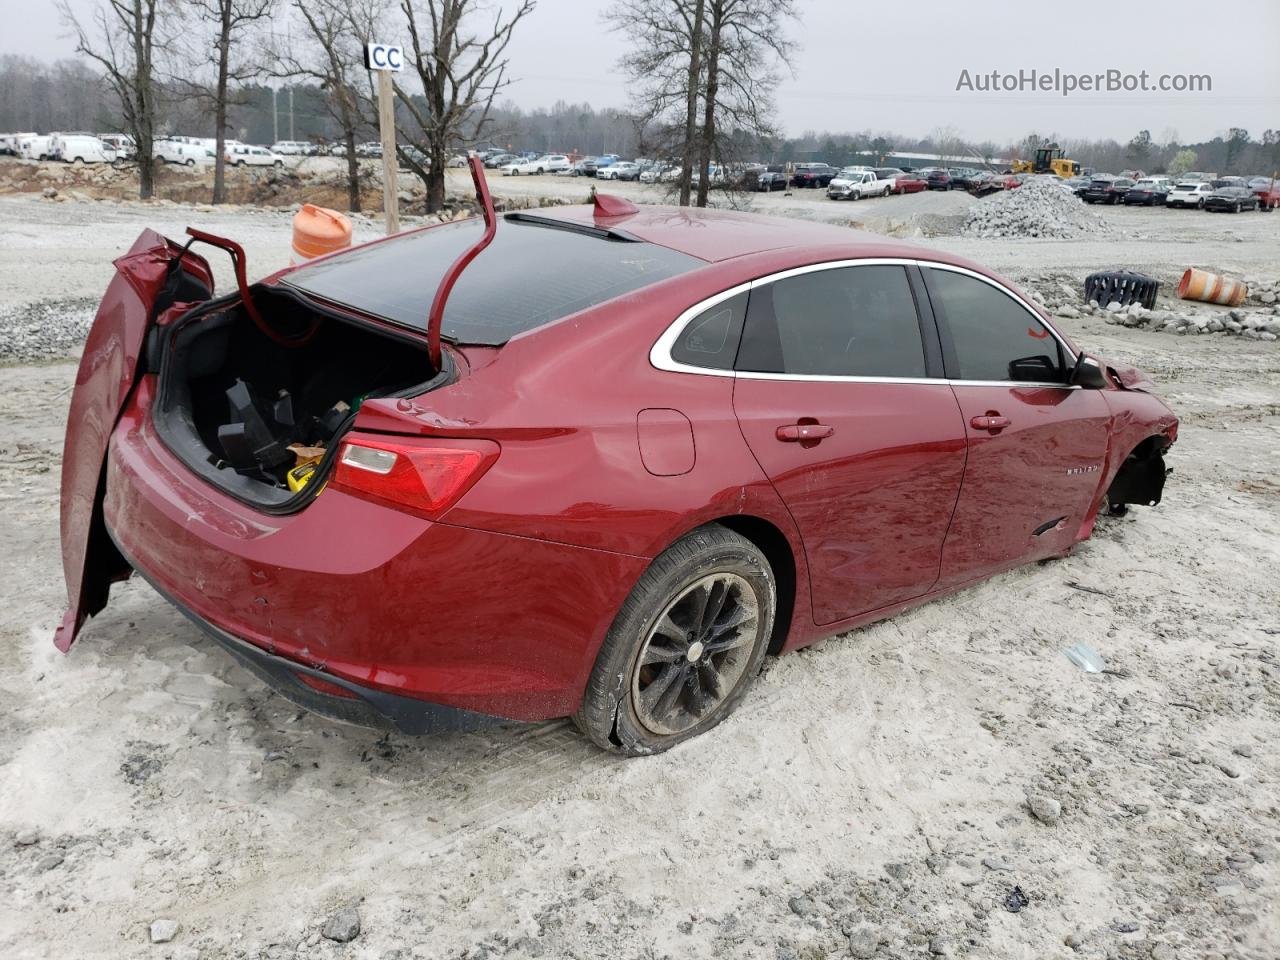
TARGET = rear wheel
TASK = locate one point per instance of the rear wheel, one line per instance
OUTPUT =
(190, 162)
(685, 647)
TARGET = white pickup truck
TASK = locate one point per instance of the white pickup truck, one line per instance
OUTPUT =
(854, 184)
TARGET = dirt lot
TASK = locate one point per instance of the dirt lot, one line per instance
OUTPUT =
(870, 798)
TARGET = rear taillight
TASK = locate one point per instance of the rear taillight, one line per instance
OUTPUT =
(425, 477)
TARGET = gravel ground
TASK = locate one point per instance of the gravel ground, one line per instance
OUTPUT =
(944, 783)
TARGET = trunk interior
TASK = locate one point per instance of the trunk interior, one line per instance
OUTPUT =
(261, 419)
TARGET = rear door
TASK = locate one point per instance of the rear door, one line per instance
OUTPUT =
(155, 274)
(839, 395)
(1036, 447)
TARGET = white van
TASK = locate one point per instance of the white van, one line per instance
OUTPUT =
(181, 152)
(11, 143)
(83, 148)
(122, 143)
(291, 148)
(36, 148)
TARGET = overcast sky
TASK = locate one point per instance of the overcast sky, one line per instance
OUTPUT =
(891, 66)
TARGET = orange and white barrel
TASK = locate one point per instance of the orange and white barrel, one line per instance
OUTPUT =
(1211, 288)
(317, 231)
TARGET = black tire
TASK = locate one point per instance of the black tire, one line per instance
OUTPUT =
(190, 162)
(1236, 207)
(1200, 204)
(239, 163)
(613, 713)
(278, 164)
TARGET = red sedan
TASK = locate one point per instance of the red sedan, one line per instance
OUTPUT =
(632, 452)
(913, 182)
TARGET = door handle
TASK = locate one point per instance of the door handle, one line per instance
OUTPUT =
(991, 421)
(803, 432)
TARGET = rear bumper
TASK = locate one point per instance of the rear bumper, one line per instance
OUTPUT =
(365, 706)
(375, 600)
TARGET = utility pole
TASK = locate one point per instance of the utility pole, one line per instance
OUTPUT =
(275, 117)
(291, 136)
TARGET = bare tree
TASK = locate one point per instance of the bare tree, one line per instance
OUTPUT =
(460, 71)
(713, 57)
(743, 43)
(121, 38)
(224, 22)
(331, 35)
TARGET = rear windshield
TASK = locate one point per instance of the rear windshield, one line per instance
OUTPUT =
(531, 275)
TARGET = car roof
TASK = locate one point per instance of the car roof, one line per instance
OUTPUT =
(718, 235)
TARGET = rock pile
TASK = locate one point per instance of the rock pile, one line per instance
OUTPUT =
(1259, 319)
(1041, 207)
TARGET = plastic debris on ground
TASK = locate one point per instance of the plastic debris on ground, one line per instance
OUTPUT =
(1086, 658)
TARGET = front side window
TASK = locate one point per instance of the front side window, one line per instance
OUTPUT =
(846, 322)
(993, 336)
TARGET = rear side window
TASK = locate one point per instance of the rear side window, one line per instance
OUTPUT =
(711, 338)
(993, 336)
(846, 322)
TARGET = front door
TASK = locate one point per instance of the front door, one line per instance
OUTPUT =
(1036, 447)
(835, 399)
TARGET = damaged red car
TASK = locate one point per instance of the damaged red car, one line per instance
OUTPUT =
(593, 461)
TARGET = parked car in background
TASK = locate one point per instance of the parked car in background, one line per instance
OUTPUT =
(655, 172)
(291, 148)
(671, 174)
(772, 177)
(1106, 190)
(910, 181)
(888, 175)
(985, 183)
(619, 170)
(938, 179)
(1231, 199)
(856, 184)
(84, 148)
(180, 152)
(36, 147)
(590, 166)
(1267, 190)
(885, 425)
(11, 143)
(370, 148)
(966, 179)
(1147, 193)
(1188, 193)
(549, 163)
(121, 143)
(244, 155)
(1076, 184)
(813, 175)
(497, 160)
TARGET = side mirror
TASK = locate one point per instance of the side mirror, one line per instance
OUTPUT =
(1088, 373)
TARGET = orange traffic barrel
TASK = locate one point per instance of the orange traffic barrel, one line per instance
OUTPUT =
(1211, 288)
(317, 231)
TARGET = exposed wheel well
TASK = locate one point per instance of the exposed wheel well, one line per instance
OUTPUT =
(1140, 478)
(773, 544)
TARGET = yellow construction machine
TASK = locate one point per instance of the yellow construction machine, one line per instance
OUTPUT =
(1049, 159)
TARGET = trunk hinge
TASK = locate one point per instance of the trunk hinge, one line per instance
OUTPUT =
(436, 317)
(242, 284)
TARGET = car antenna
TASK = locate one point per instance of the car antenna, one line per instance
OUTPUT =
(436, 317)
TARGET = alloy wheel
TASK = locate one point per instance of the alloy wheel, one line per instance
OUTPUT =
(696, 653)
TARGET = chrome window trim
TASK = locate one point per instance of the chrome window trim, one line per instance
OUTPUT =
(660, 353)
